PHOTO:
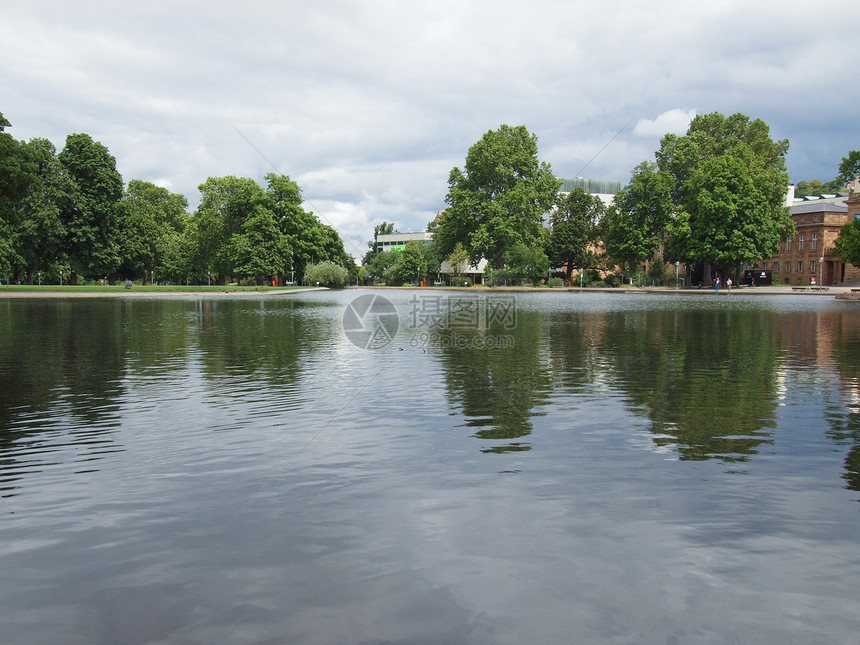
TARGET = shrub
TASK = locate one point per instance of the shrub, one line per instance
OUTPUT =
(556, 282)
(326, 274)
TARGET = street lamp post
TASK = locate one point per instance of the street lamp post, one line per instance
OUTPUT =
(821, 271)
(208, 278)
(676, 274)
(61, 278)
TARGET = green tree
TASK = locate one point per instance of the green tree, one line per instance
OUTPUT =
(526, 263)
(386, 228)
(411, 264)
(728, 186)
(92, 243)
(260, 250)
(458, 259)
(657, 270)
(726, 220)
(16, 177)
(574, 228)
(380, 266)
(627, 242)
(500, 197)
(847, 243)
(309, 240)
(225, 204)
(849, 168)
(41, 232)
(816, 187)
(150, 219)
(644, 208)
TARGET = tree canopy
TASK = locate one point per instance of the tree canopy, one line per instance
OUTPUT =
(718, 192)
(91, 222)
(636, 228)
(847, 243)
(574, 230)
(500, 197)
(849, 168)
(69, 213)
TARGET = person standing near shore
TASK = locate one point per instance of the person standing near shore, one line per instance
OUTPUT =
(717, 285)
(729, 284)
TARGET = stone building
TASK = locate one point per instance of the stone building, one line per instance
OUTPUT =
(808, 257)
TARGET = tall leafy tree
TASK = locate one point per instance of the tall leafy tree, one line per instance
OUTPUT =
(729, 186)
(644, 209)
(411, 264)
(726, 220)
(847, 243)
(574, 230)
(849, 168)
(499, 198)
(260, 250)
(528, 263)
(309, 240)
(627, 242)
(41, 232)
(225, 204)
(16, 177)
(92, 242)
(386, 228)
(458, 259)
(151, 217)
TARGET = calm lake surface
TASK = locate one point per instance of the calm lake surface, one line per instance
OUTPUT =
(430, 467)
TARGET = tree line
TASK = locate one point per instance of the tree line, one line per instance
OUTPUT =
(713, 199)
(69, 215)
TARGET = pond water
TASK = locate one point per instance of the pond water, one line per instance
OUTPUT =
(430, 467)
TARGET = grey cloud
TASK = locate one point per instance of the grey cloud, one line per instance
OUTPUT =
(369, 105)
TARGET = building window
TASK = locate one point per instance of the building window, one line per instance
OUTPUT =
(815, 241)
(776, 267)
(812, 267)
(800, 266)
(788, 267)
(800, 242)
(788, 245)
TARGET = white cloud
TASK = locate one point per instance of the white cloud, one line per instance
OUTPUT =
(368, 106)
(670, 122)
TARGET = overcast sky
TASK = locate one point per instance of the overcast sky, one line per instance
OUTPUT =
(369, 104)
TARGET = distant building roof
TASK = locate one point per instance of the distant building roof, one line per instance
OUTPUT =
(804, 208)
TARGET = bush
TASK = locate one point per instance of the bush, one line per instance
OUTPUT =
(460, 281)
(502, 277)
(611, 280)
(326, 274)
(556, 282)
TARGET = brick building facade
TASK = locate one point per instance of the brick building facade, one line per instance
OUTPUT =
(808, 257)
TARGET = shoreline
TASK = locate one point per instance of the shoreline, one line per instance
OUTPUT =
(60, 292)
